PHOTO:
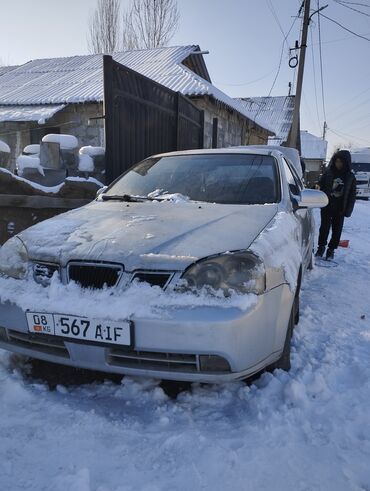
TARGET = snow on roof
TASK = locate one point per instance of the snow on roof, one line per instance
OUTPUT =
(5, 69)
(313, 147)
(29, 113)
(273, 113)
(79, 79)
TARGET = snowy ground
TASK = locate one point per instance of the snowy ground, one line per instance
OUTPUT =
(308, 429)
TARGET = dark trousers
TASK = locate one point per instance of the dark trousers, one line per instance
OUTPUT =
(333, 219)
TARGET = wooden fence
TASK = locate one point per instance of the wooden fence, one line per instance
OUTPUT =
(23, 203)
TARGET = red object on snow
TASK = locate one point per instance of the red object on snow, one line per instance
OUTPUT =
(344, 243)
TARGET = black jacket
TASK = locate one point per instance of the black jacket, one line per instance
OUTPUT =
(348, 199)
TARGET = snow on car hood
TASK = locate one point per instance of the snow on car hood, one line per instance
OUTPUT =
(149, 234)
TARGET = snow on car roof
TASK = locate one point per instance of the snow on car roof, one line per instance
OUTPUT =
(228, 150)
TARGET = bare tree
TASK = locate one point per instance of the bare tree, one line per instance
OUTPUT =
(104, 27)
(150, 23)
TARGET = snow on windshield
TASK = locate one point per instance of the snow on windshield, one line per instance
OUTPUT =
(164, 195)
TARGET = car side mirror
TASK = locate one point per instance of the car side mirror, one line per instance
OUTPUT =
(312, 198)
(101, 191)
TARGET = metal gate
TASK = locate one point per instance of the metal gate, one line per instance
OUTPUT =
(143, 118)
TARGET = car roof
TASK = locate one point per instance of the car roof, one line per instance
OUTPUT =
(227, 150)
(289, 153)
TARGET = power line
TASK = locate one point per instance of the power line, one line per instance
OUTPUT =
(350, 101)
(340, 39)
(351, 8)
(356, 3)
(361, 104)
(282, 51)
(345, 28)
(321, 67)
(314, 78)
(309, 110)
(272, 10)
(248, 83)
(259, 110)
(345, 135)
(278, 70)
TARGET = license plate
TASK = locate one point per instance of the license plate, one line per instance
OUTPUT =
(82, 328)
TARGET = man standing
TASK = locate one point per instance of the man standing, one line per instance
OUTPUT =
(339, 184)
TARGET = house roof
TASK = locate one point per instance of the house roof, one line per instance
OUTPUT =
(274, 113)
(5, 69)
(79, 79)
(29, 113)
(313, 147)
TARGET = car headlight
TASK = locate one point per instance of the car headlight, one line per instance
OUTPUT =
(14, 259)
(242, 272)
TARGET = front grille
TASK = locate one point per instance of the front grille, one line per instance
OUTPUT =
(362, 183)
(153, 278)
(94, 275)
(38, 342)
(148, 360)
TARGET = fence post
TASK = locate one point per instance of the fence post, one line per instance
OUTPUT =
(108, 117)
(178, 121)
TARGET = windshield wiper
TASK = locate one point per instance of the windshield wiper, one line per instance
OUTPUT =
(123, 197)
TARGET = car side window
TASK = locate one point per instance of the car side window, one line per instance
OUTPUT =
(296, 176)
(294, 187)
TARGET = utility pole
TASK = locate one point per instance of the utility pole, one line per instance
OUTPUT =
(324, 130)
(293, 134)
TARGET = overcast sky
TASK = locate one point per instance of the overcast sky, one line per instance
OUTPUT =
(244, 39)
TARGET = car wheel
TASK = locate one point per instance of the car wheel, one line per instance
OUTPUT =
(284, 361)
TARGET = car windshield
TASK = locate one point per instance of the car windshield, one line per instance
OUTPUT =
(214, 178)
(361, 166)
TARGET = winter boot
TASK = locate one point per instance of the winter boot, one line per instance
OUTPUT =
(329, 254)
(320, 251)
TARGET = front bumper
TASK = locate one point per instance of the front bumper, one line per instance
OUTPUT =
(170, 347)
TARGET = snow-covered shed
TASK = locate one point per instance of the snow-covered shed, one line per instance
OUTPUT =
(65, 95)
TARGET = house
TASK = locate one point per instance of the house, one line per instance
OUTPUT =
(65, 95)
(314, 151)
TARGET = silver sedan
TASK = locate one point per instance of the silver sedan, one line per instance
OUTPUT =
(187, 267)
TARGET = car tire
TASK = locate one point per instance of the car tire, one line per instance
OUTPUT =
(283, 363)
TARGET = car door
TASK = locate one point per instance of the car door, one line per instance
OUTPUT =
(304, 216)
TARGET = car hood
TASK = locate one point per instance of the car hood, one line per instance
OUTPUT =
(156, 235)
